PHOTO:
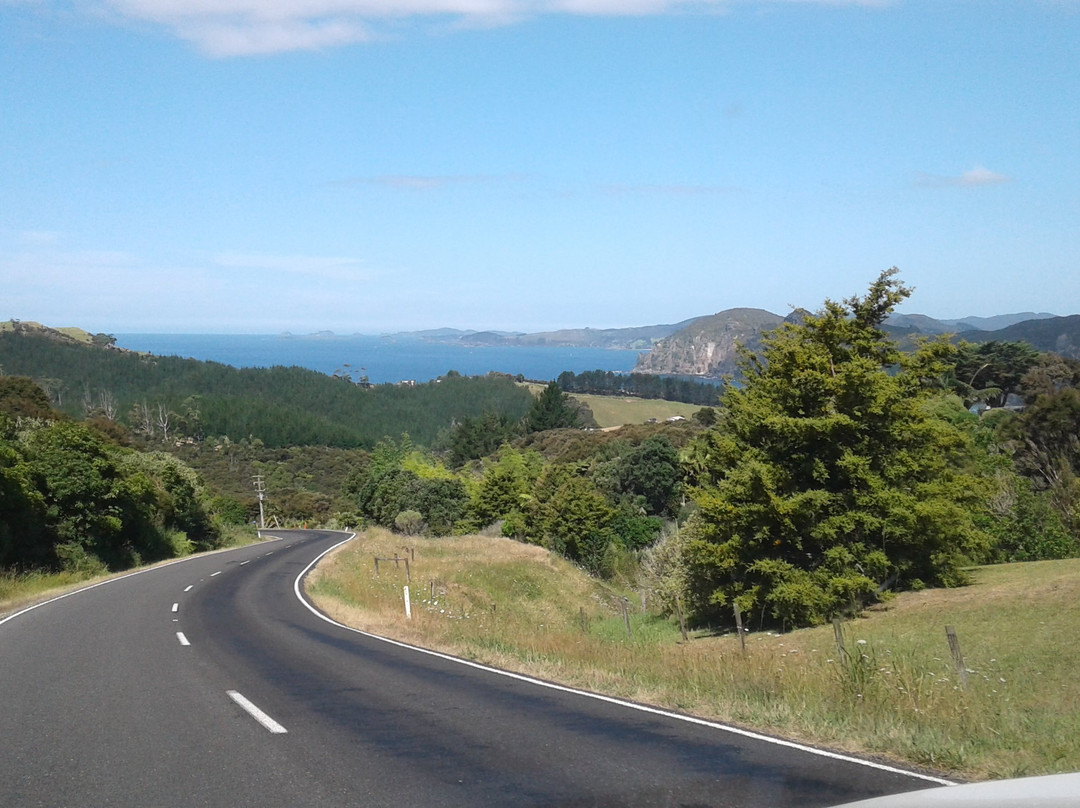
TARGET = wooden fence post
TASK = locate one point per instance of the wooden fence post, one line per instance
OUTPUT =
(958, 658)
(838, 632)
(682, 619)
(739, 626)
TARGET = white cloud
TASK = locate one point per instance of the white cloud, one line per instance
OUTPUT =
(113, 291)
(244, 39)
(245, 27)
(40, 238)
(972, 178)
(327, 268)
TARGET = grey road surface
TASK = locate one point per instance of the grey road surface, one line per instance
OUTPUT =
(209, 683)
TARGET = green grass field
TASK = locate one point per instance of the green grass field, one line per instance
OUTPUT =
(612, 411)
(894, 691)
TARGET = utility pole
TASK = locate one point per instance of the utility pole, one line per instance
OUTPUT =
(260, 489)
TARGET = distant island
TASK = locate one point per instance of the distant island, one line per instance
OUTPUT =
(705, 346)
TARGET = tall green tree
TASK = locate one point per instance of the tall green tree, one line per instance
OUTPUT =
(551, 410)
(825, 479)
(504, 486)
(990, 371)
(651, 471)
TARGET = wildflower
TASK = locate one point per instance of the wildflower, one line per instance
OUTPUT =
(860, 642)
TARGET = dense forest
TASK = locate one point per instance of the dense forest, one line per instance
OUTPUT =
(840, 469)
(642, 385)
(171, 398)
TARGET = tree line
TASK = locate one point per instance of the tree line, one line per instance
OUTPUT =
(641, 385)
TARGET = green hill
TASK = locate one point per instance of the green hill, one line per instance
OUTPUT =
(171, 397)
(1058, 334)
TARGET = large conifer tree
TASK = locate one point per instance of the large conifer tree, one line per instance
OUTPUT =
(825, 480)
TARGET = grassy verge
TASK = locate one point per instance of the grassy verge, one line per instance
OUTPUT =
(893, 692)
(21, 589)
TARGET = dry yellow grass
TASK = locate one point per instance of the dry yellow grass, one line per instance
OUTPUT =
(894, 692)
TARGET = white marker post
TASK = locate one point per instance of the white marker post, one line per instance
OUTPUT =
(408, 606)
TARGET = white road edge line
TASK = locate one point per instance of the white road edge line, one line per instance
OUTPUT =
(242, 563)
(189, 587)
(215, 574)
(183, 640)
(270, 724)
(600, 697)
(154, 568)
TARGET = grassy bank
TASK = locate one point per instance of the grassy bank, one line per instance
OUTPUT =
(894, 691)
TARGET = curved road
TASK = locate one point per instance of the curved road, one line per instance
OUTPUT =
(207, 682)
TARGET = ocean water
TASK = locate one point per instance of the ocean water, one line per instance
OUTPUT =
(381, 359)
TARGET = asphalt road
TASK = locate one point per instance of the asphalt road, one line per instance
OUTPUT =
(133, 694)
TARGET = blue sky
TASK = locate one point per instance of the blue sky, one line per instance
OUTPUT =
(257, 166)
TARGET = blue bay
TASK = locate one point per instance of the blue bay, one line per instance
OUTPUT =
(381, 359)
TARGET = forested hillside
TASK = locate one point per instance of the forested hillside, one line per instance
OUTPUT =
(840, 470)
(170, 397)
(1058, 334)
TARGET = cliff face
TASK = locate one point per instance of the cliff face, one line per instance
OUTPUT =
(709, 345)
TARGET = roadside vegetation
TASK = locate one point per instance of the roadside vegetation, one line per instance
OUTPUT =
(19, 589)
(841, 479)
(893, 691)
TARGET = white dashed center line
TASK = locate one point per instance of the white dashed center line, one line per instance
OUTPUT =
(216, 573)
(176, 607)
(183, 640)
(267, 722)
(189, 587)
